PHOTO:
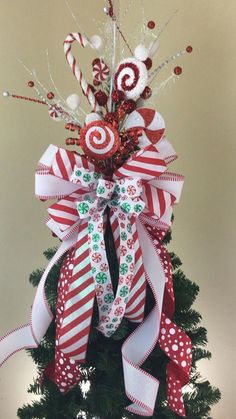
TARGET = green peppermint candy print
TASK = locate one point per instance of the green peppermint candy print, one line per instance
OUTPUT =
(96, 237)
(138, 208)
(123, 269)
(110, 326)
(83, 208)
(124, 291)
(101, 190)
(105, 307)
(101, 278)
(129, 258)
(109, 298)
(123, 236)
(126, 207)
(96, 175)
(95, 247)
(90, 228)
(115, 319)
(87, 177)
(129, 228)
(93, 269)
(78, 173)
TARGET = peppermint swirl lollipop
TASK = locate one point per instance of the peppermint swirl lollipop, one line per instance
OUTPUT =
(131, 77)
(99, 140)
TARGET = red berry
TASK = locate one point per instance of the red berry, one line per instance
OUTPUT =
(148, 63)
(50, 95)
(189, 49)
(96, 82)
(151, 24)
(118, 96)
(31, 83)
(129, 106)
(101, 97)
(120, 112)
(96, 61)
(147, 93)
(111, 117)
(178, 70)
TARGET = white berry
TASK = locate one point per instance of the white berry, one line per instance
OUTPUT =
(73, 101)
(96, 42)
(141, 53)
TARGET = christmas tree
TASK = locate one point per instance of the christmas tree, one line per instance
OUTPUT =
(113, 318)
(106, 397)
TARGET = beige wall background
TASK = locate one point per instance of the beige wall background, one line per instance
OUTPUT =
(200, 116)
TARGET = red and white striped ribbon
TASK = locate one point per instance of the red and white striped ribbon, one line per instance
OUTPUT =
(74, 331)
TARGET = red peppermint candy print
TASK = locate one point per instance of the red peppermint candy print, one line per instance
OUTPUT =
(96, 257)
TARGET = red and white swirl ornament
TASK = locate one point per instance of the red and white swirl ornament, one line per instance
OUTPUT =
(152, 123)
(131, 77)
(101, 71)
(99, 140)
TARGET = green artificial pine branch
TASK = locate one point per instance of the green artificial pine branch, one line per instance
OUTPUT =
(106, 396)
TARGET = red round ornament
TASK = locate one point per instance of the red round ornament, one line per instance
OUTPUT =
(95, 61)
(129, 106)
(147, 93)
(178, 70)
(148, 63)
(189, 49)
(151, 24)
(101, 98)
(96, 82)
(111, 117)
(50, 95)
(118, 96)
(99, 140)
(31, 83)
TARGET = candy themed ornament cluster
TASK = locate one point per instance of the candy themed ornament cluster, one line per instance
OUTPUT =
(117, 175)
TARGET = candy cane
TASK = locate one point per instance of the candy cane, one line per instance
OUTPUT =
(83, 41)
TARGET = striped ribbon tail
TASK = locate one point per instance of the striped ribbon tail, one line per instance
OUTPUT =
(137, 298)
(77, 316)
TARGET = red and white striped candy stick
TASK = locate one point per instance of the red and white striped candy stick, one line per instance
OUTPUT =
(83, 41)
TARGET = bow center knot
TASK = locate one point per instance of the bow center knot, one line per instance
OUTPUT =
(120, 194)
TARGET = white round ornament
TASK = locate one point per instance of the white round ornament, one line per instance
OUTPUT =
(96, 42)
(141, 53)
(131, 77)
(73, 101)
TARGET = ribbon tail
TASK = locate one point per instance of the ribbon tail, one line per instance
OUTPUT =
(137, 297)
(141, 387)
(136, 303)
(74, 332)
(30, 335)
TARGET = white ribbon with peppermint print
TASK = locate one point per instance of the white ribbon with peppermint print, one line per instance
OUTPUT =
(123, 198)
